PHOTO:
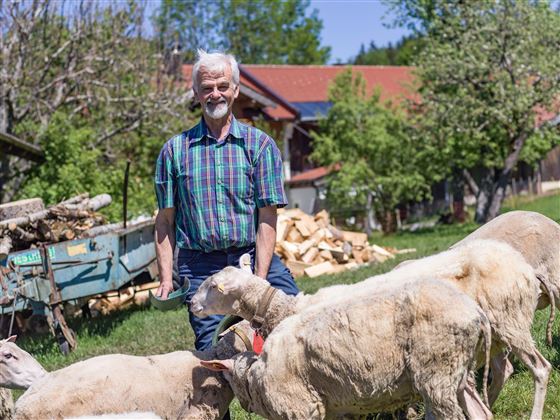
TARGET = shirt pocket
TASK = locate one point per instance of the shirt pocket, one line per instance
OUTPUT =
(239, 181)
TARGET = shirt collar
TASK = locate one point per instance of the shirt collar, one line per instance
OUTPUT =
(201, 130)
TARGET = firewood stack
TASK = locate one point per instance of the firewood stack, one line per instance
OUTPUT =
(27, 223)
(310, 245)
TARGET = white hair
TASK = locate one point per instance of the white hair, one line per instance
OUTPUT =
(214, 61)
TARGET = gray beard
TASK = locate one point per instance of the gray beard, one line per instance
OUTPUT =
(216, 111)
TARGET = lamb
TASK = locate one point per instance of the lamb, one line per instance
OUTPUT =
(171, 385)
(359, 356)
(491, 272)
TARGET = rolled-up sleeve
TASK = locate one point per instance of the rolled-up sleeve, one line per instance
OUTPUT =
(165, 178)
(269, 179)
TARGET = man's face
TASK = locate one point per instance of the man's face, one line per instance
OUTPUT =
(216, 92)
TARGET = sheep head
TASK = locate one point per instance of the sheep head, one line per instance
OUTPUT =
(18, 369)
(220, 293)
(236, 372)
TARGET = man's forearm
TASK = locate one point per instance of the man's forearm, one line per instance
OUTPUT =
(266, 240)
(165, 245)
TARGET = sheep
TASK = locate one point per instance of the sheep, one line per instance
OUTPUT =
(491, 272)
(171, 385)
(537, 238)
(6, 404)
(18, 369)
(358, 356)
(132, 415)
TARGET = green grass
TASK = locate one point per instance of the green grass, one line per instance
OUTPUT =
(143, 331)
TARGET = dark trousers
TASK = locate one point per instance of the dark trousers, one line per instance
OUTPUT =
(198, 265)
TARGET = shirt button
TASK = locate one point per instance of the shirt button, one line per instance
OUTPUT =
(220, 201)
(222, 219)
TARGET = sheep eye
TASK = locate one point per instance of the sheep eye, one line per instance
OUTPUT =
(8, 355)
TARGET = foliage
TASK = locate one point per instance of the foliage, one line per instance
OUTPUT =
(403, 53)
(185, 25)
(88, 60)
(70, 167)
(380, 163)
(249, 29)
(73, 166)
(488, 72)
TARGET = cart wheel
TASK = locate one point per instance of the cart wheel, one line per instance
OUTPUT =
(64, 348)
(64, 345)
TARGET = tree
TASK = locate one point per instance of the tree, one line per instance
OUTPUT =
(380, 164)
(402, 54)
(255, 31)
(87, 61)
(488, 75)
(185, 26)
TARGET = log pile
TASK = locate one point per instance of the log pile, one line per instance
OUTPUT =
(33, 224)
(312, 246)
(113, 301)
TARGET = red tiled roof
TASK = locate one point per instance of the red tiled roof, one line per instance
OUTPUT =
(296, 83)
(313, 174)
(311, 83)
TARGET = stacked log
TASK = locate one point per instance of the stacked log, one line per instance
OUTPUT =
(312, 246)
(32, 224)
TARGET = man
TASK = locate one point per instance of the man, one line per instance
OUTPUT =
(218, 187)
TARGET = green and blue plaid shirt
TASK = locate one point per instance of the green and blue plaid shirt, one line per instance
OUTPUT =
(217, 187)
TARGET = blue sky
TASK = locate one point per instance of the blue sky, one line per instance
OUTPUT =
(346, 25)
(349, 23)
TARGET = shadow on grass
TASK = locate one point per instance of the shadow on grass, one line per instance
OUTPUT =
(102, 325)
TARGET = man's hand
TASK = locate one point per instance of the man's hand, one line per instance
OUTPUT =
(266, 240)
(164, 289)
(165, 244)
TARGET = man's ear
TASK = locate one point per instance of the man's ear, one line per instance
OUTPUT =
(218, 365)
(245, 263)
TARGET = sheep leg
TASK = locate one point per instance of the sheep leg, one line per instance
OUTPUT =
(501, 371)
(540, 369)
(470, 401)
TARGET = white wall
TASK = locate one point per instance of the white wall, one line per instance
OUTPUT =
(303, 198)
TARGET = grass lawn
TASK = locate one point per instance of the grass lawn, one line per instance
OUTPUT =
(143, 331)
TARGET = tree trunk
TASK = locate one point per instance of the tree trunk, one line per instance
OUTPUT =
(458, 194)
(493, 186)
(4, 176)
(367, 216)
(387, 220)
(484, 196)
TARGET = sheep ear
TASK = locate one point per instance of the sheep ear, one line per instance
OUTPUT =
(11, 339)
(245, 263)
(218, 365)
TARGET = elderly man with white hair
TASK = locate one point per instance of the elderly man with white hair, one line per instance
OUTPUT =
(218, 186)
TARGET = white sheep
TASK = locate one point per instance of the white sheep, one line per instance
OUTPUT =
(18, 369)
(6, 404)
(171, 385)
(366, 354)
(132, 415)
(537, 238)
(494, 274)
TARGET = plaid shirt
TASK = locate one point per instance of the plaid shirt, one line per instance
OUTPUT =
(216, 187)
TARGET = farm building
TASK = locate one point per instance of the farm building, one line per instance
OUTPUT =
(292, 98)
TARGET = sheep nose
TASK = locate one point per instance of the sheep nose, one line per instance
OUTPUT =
(196, 307)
